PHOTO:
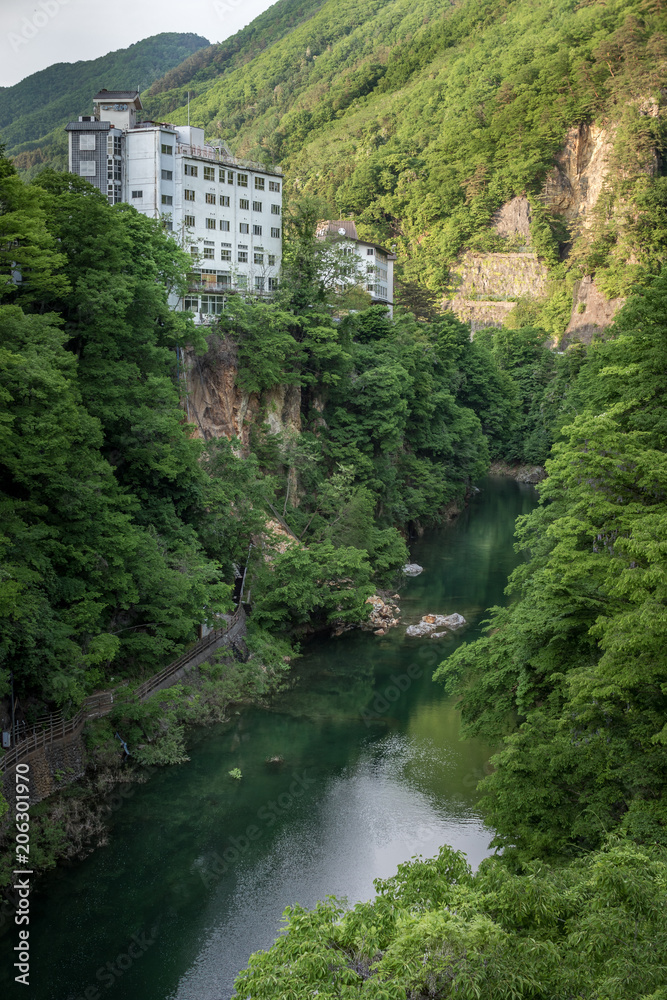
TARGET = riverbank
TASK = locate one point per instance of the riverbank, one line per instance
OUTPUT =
(71, 823)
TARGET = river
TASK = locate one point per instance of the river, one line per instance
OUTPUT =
(199, 866)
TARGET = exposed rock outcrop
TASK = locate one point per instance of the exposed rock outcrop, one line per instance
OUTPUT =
(573, 186)
(591, 312)
(219, 408)
(513, 219)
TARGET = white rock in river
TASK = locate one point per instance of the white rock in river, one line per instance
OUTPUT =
(451, 621)
(413, 569)
(422, 629)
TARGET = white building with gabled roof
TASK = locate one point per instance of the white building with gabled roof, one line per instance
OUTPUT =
(228, 212)
(376, 263)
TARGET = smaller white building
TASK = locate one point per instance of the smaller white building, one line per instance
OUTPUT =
(375, 269)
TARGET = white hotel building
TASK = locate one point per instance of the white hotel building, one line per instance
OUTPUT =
(228, 212)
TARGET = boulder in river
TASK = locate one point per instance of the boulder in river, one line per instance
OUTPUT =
(413, 569)
(430, 623)
(423, 628)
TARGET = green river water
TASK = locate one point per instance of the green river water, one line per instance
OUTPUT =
(199, 867)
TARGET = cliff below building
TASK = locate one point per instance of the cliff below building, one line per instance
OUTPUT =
(219, 408)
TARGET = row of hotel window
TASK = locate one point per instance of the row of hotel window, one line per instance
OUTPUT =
(189, 221)
(227, 176)
(244, 203)
(208, 253)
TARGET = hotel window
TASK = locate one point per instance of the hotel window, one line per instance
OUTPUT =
(194, 250)
(242, 180)
(259, 183)
(244, 227)
(168, 224)
(230, 177)
(87, 142)
(137, 194)
(244, 203)
(210, 199)
(117, 145)
(241, 280)
(167, 175)
(272, 260)
(275, 210)
(369, 253)
(190, 170)
(225, 255)
(256, 230)
(167, 199)
(224, 200)
(191, 304)
(87, 168)
(210, 223)
(259, 284)
(188, 194)
(273, 284)
(209, 173)
(257, 206)
(212, 305)
(275, 233)
(167, 150)
(274, 185)
(189, 220)
(243, 257)
(116, 170)
(224, 225)
(209, 253)
(259, 258)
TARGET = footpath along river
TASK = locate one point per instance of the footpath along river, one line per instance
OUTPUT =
(199, 867)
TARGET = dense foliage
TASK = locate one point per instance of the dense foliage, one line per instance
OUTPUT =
(575, 669)
(111, 552)
(595, 928)
(34, 111)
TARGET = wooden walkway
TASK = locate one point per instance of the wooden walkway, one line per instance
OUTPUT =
(54, 728)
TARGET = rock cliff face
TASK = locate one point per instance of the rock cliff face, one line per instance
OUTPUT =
(573, 186)
(219, 408)
(591, 312)
(490, 284)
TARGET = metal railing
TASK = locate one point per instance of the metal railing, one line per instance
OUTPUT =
(212, 639)
(218, 156)
(54, 728)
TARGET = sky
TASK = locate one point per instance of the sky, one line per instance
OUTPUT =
(35, 34)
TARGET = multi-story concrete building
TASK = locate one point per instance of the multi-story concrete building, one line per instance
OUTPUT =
(226, 211)
(375, 268)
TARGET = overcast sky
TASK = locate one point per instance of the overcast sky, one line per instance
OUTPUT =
(35, 34)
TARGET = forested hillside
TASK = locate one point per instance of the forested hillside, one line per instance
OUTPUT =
(422, 121)
(34, 111)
